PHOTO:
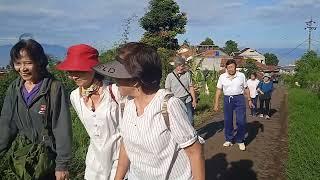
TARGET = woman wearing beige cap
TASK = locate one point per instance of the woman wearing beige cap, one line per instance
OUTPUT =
(96, 103)
(265, 89)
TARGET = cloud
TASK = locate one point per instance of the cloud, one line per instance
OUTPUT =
(289, 11)
(76, 19)
(101, 22)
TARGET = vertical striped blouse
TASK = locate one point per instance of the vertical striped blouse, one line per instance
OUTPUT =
(154, 151)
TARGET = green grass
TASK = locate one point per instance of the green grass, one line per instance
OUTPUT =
(80, 146)
(304, 135)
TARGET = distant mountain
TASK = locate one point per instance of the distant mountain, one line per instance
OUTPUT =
(53, 50)
(285, 55)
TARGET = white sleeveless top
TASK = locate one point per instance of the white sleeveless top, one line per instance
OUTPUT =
(102, 128)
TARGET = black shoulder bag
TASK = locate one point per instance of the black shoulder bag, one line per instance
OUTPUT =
(184, 98)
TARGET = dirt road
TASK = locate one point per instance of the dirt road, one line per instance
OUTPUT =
(266, 146)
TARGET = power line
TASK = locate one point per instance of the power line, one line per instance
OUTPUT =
(286, 54)
(315, 40)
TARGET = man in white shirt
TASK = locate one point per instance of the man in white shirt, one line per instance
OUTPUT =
(253, 83)
(233, 85)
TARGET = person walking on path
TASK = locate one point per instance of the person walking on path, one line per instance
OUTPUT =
(179, 82)
(35, 119)
(96, 103)
(253, 83)
(233, 84)
(265, 89)
(158, 140)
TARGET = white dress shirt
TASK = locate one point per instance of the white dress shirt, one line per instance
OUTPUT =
(102, 128)
(232, 86)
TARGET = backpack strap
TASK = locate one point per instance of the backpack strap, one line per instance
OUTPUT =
(111, 93)
(164, 109)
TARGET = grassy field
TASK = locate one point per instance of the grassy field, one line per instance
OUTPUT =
(304, 135)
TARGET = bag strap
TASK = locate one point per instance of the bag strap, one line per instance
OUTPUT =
(114, 99)
(164, 110)
(111, 93)
(181, 83)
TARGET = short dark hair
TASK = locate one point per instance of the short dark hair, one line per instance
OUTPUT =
(231, 61)
(143, 62)
(34, 51)
(253, 73)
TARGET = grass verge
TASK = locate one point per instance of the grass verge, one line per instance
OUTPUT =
(304, 135)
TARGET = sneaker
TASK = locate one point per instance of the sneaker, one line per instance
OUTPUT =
(242, 146)
(227, 144)
(261, 115)
(267, 117)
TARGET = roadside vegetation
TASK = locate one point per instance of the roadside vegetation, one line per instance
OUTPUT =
(303, 126)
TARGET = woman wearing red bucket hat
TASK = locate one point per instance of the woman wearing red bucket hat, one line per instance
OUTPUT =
(96, 104)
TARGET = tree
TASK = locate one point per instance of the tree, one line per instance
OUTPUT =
(271, 59)
(308, 71)
(166, 56)
(231, 46)
(186, 43)
(108, 56)
(250, 67)
(163, 22)
(207, 41)
(126, 29)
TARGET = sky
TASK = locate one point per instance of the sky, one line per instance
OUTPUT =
(251, 23)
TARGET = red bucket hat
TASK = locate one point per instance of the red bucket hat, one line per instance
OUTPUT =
(79, 57)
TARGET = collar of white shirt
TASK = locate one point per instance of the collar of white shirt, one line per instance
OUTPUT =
(232, 76)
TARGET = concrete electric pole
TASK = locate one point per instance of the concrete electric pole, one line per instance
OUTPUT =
(310, 26)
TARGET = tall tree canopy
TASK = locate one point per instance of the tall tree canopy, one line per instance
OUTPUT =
(207, 41)
(271, 59)
(163, 22)
(231, 46)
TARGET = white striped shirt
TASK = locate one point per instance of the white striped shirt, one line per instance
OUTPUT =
(154, 151)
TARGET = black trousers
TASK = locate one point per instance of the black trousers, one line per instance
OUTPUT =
(265, 103)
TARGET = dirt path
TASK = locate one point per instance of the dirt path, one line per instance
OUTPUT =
(266, 146)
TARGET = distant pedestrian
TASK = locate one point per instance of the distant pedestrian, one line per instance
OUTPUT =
(179, 82)
(233, 84)
(253, 83)
(265, 89)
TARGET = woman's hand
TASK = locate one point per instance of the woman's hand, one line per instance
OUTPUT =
(62, 175)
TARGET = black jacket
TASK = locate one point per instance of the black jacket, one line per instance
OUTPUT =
(17, 117)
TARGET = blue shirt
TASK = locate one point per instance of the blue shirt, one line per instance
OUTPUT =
(266, 88)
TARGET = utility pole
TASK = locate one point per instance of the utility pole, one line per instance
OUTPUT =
(310, 28)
